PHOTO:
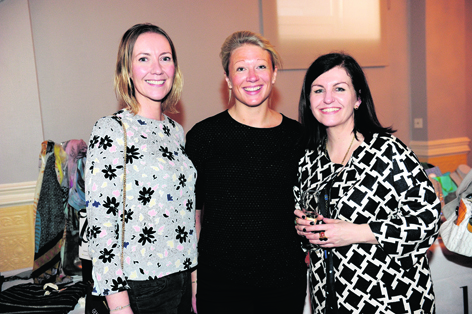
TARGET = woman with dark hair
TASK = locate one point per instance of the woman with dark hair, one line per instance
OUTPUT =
(250, 260)
(142, 254)
(378, 210)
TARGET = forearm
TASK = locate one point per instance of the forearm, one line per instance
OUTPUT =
(198, 216)
(364, 234)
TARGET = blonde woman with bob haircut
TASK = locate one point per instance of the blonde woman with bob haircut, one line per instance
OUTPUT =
(250, 260)
(148, 269)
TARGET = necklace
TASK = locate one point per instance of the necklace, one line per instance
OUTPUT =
(347, 152)
(348, 149)
(327, 188)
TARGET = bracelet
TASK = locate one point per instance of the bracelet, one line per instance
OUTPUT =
(194, 281)
(119, 308)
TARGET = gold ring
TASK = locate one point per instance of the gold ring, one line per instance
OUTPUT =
(323, 236)
(296, 221)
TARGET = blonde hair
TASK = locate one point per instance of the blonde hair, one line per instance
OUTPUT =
(240, 38)
(124, 87)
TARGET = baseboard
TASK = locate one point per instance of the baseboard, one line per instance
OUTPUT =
(17, 194)
(440, 148)
(446, 154)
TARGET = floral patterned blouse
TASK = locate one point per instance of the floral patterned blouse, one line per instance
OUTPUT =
(383, 185)
(160, 237)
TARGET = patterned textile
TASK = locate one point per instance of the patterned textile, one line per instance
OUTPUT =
(76, 156)
(49, 214)
(160, 237)
(42, 161)
(245, 181)
(76, 151)
(383, 185)
(31, 298)
(83, 222)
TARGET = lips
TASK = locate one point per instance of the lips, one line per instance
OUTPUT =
(252, 88)
(328, 110)
(155, 82)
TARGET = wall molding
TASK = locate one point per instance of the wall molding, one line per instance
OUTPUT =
(440, 148)
(17, 194)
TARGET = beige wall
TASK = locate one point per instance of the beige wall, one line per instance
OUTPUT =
(445, 64)
(16, 238)
(57, 61)
(468, 71)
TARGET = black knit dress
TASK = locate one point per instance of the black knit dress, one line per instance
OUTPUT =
(245, 181)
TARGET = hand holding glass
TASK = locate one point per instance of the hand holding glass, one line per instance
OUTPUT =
(309, 204)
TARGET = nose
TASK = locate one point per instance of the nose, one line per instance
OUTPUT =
(156, 68)
(252, 76)
(328, 97)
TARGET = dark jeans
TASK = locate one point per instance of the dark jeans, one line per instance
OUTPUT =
(171, 294)
(230, 299)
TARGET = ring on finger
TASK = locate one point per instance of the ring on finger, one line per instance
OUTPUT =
(323, 237)
(296, 220)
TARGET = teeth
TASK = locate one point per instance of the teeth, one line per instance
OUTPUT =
(252, 89)
(155, 82)
(330, 109)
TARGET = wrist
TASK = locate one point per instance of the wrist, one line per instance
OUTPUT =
(119, 308)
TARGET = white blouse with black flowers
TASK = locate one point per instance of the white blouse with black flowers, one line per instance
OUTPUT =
(160, 237)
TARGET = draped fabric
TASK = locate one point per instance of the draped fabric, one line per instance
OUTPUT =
(59, 196)
(76, 151)
(76, 156)
(49, 214)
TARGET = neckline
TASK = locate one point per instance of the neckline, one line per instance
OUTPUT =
(353, 155)
(253, 127)
(139, 117)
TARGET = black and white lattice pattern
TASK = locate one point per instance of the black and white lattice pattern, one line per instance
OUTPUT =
(385, 186)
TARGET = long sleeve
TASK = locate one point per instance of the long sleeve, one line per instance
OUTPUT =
(412, 225)
(104, 185)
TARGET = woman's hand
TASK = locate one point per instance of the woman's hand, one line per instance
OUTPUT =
(303, 226)
(336, 232)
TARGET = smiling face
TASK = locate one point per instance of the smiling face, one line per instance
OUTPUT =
(333, 99)
(152, 68)
(251, 76)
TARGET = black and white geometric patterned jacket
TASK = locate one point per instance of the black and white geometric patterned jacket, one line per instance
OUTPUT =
(383, 185)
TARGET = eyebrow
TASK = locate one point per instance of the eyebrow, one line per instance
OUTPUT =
(334, 84)
(244, 60)
(148, 54)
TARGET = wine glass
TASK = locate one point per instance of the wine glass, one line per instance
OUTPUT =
(309, 204)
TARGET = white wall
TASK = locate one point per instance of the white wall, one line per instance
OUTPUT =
(20, 117)
(76, 43)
